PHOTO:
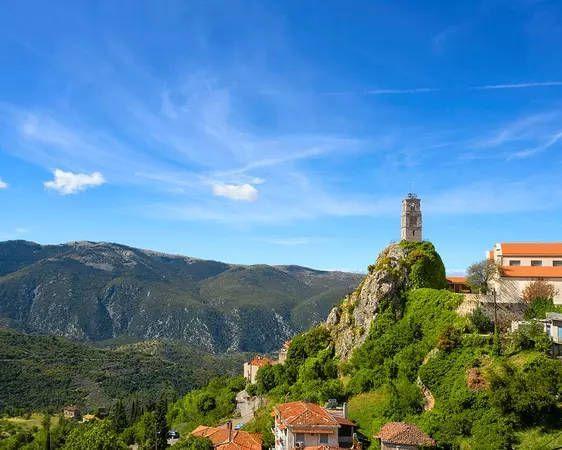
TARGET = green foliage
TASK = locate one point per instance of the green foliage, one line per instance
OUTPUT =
(538, 308)
(118, 417)
(481, 321)
(479, 275)
(530, 336)
(51, 372)
(262, 423)
(161, 423)
(208, 405)
(426, 269)
(97, 435)
(194, 443)
(527, 394)
(303, 346)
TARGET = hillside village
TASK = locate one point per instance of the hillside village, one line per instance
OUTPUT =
(411, 359)
(306, 425)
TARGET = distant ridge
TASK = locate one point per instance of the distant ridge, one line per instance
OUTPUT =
(96, 291)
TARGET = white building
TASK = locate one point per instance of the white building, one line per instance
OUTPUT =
(522, 263)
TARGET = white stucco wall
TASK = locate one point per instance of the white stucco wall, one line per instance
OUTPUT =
(511, 289)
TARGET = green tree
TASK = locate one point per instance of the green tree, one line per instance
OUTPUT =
(161, 423)
(119, 417)
(194, 443)
(46, 423)
(98, 435)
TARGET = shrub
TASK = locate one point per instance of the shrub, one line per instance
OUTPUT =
(449, 339)
(539, 289)
(538, 308)
(479, 275)
(481, 321)
(426, 269)
(529, 336)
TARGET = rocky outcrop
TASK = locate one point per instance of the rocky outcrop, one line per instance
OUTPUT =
(399, 266)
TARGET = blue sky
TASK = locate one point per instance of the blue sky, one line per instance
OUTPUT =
(281, 132)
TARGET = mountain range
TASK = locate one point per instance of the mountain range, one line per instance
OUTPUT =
(96, 292)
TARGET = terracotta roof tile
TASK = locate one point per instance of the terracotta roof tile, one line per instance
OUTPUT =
(455, 279)
(239, 440)
(531, 248)
(404, 434)
(302, 413)
(261, 361)
(531, 271)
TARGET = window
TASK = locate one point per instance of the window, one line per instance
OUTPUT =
(299, 438)
(536, 262)
(557, 263)
(514, 262)
(324, 438)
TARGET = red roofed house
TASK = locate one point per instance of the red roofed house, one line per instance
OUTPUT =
(225, 438)
(251, 368)
(457, 284)
(309, 426)
(522, 263)
(403, 436)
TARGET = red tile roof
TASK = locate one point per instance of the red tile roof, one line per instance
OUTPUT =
(531, 248)
(239, 440)
(531, 272)
(404, 434)
(456, 280)
(298, 414)
(261, 361)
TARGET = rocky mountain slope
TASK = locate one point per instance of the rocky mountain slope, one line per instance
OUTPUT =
(99, 291)
(399, 267)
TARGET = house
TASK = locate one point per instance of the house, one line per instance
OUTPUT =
(71, 412)
(521, 263)
(309, 426)
(457, 284)
(251, 368)
(226, 438)
(403, 436)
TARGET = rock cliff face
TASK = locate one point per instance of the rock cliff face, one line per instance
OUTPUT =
(398, 267)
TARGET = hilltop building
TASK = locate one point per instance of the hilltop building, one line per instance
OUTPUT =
(251, 368)
(522, 263)
(72, 412)
(411, 220)
(283, 352)
(309, 426)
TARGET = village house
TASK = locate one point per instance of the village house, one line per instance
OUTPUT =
(523, 263)
(71, 412)
(403, 436)
(283, 352)
(251, 368)
(457, 284)
(309, 426)
(226, 438)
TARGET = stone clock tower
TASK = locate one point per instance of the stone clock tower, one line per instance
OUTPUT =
(411, 223)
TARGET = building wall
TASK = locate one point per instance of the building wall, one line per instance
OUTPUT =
(286, 439)
(250, 372)
(387, 446)
(511, 289)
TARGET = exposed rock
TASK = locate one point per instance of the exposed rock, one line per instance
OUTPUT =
(399, 266)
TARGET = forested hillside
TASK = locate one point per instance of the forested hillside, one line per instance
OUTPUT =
(98, 291)
(48, 372)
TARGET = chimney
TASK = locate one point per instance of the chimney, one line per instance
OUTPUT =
(229, 427)
(344, 410)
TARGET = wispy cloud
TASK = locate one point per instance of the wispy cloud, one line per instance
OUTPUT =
(538, 149)
(3, 184)
(400, 91)
(67, 183)
(530, 84)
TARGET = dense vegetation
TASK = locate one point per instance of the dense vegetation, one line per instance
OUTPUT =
(98, 291)
(47, 372)
(483, 400)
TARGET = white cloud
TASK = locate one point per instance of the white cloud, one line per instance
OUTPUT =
(66, 183)
(400, 91)
(3, 184)
(239, 192)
